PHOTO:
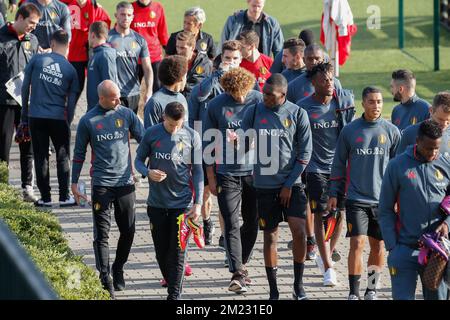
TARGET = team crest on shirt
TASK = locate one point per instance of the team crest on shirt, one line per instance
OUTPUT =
(262, 223)
(382, 139)
(203, 46)
(349, 227)
(134, 45)
(413, 120)
(199, 70)
(118, 123)
(180, 146)
(287, 123)
(27, 45)
(263, 70)
(438, 175)
(86, 15)
(313, 204)
(53, 15)
(97, 206)
(152, 14)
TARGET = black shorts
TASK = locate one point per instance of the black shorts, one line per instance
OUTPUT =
(362, 220)
(270, 211)
(317, 185)
(131, 102)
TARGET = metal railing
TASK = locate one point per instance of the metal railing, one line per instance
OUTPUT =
(19, 277)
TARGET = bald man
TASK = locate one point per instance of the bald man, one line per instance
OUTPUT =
(106, 128)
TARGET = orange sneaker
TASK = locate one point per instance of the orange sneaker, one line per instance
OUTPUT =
(197, 230)
(184, 231)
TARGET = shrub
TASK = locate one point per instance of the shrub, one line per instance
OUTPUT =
(41, 235)
(4, 172)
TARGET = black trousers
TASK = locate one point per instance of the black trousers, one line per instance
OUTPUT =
(80, 68)
(164, 226)
(237, 193)
(131, 102)
(9, 119)
(123, 199)
(42, 130)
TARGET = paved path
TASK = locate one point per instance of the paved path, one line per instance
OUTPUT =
(210, 279)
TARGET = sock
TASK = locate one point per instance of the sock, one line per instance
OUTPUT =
(298, 277)
(373, 275)
(354, 281)
(310, 240)
(272, 278)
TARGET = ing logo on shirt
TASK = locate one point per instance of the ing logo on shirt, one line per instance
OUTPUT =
(199, 70)
(152, 14)
(263, 70)
(382, 139)
(118, 123)
(413, 120)
(438, 175)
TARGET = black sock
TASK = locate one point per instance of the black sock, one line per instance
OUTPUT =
(354, 281)
(311, 240)
(272, 278)
(298, 276)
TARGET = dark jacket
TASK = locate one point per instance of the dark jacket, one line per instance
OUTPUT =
(205, 44)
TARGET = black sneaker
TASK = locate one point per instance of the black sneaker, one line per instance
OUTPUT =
(43, 204)
(107, 284)
(300, 295)
(118, 280)
(274, 296)
(222, 242)
(208, 229)
(237, 284)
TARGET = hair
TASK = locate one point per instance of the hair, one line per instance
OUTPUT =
(294, 46)
(313, 48)
(430, 129)
(232, 45)
(187, 36)
(322, 68)
(174, 111)
(307, 36)
(368, 90)
(28, 9)
(100, 29)
(249, 37)
(442, 100)
(404, 76)
(277, 80)
(172, 69)
(61, 37)
(196, 12)
(237, 81)
(124, 4)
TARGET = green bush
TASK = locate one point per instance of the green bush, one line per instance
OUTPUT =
(3, 172)
(41, 235)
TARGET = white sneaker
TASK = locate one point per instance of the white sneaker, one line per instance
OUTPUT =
(353, 297)
(329, 278)
(28, 194)
(371, 295)
(68, 203)
(319, 263)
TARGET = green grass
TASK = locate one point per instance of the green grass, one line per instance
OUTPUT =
(374, 52)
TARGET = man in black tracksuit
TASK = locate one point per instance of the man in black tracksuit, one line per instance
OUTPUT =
(17, 45)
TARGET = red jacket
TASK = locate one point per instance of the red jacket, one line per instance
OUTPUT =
(150, 22)
(260, 68)
(82, 18)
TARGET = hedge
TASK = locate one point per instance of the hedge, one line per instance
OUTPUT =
(41, 235)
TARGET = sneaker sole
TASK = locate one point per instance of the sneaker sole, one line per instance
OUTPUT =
(68, 205)
(330, 284)
(237, 288)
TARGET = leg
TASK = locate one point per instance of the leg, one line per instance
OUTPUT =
(80, 68)
(26, 158)
(229, 200)
(355, 263)
(60, 135)
(320, 239)
(156, 83)
(160, 228)
(39, 129)
(175, 258)
(271, 261)
(102, 197)
(124, 213)
(208, 225)
(374, 265)
(404, 269)
(249, 228)
(7, 115)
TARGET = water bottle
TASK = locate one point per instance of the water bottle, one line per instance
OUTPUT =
(82, 191)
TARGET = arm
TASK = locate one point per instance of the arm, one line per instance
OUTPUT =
(397, 138)
(148, 77)
(26, 91)
(108, 68)
(212, 49)
(163, 35)
(303, 150)
(278, 39)
(152, 113)
(405, 141)
(194, 106)
(390, 188)
(66, 22)
(74, 90)
(142, 153)
(171, 45)
(197, 170)
(79, 152)
(339, 166)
